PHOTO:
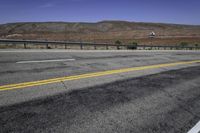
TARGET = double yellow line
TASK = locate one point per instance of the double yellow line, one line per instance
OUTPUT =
(90, 75)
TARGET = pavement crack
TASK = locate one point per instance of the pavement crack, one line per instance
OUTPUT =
(64, 85)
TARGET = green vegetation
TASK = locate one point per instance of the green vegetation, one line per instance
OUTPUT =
(183, 44)
(196, 45)
(133, 45)
(118, 42)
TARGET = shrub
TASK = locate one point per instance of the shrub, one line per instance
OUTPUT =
(196, 45)
(118, 42)
(133, 45)
(183, 44)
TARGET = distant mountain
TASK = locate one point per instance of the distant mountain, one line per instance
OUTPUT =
(105, 31)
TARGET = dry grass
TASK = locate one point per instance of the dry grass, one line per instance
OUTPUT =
(107, 32)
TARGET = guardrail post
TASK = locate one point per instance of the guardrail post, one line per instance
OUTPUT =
(81, 46)
(107, 47)
(117, 47)
(47, 46)
(65, 46)
(24, 45)
(95, 47)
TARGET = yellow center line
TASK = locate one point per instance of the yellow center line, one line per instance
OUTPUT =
(90, 75)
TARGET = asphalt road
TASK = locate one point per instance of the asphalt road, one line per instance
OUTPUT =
(165, 99)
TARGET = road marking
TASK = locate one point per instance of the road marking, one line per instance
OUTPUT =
(44, 61)
(195, 129)
(90, 75)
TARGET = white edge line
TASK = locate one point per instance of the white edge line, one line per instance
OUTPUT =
(195, 129)
(44, 61)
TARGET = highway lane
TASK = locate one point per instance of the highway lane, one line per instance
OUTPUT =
(167, 102)
(83, 62)
(88, 75)
(19, 66)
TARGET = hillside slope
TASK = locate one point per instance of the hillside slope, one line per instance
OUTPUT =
(105, 31)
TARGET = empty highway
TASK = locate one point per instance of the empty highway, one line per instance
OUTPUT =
(57, 91)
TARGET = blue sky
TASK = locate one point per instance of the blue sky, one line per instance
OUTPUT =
(165, 11)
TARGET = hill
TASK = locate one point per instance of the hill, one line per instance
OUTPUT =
(105, 31)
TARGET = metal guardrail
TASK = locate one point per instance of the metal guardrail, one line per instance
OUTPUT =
(167, 47)
(65, 43)
(82, 44)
